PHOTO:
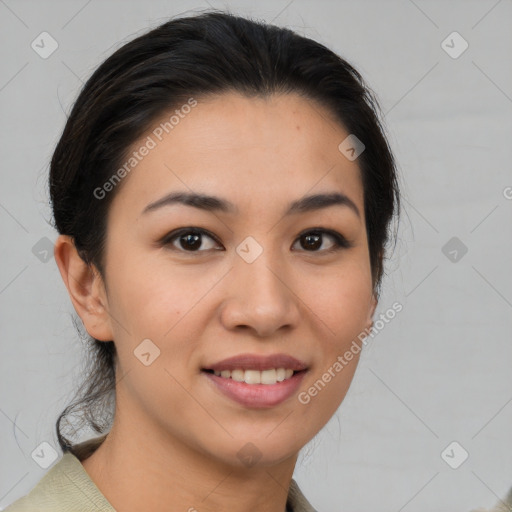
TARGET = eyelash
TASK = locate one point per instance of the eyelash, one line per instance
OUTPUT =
(340, 242)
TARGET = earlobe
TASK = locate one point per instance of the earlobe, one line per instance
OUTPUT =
(85, 287)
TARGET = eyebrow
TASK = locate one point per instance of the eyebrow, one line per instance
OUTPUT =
(212, 203)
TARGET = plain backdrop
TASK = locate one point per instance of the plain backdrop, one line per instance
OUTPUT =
(439, 373)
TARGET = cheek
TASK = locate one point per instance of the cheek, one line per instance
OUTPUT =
(340, 302)
(165, 304)
(152, 297)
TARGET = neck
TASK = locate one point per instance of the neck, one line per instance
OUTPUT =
(143, 468)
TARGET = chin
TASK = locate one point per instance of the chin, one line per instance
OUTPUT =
(256, 453)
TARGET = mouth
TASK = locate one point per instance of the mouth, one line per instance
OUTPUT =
(255, 380)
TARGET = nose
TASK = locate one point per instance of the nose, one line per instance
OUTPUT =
(260, 297)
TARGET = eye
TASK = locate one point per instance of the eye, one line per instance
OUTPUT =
(199, 240)
(313, 239)
(190, 240)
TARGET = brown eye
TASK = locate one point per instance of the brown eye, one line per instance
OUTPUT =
(313, 240)
(190, 240)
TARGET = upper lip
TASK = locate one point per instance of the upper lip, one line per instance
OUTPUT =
(258, 362)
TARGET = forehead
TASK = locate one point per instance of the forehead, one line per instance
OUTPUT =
(254, 151)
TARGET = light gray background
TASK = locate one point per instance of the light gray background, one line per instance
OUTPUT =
(439, 372)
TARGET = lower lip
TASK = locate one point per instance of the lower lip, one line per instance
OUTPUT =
(257, 395)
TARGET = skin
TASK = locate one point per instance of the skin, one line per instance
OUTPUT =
(175, 438)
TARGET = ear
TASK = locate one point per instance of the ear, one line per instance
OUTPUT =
(85, 287)
(371, 311)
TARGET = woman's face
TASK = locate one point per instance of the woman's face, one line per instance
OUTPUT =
(247, 280)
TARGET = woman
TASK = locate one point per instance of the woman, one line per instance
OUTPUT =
(223, 191)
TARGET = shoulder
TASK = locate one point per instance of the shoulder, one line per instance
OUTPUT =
(503, 505)
(66, 487)
(297, 502)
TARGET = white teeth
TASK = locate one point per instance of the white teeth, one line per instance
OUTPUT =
(237, 375)
(271, 376)
(252, 376)
(268, 376)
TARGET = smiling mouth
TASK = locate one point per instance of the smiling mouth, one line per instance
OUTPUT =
(271, 376)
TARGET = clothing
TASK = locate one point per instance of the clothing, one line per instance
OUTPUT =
(67, 487)
(503, 505)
